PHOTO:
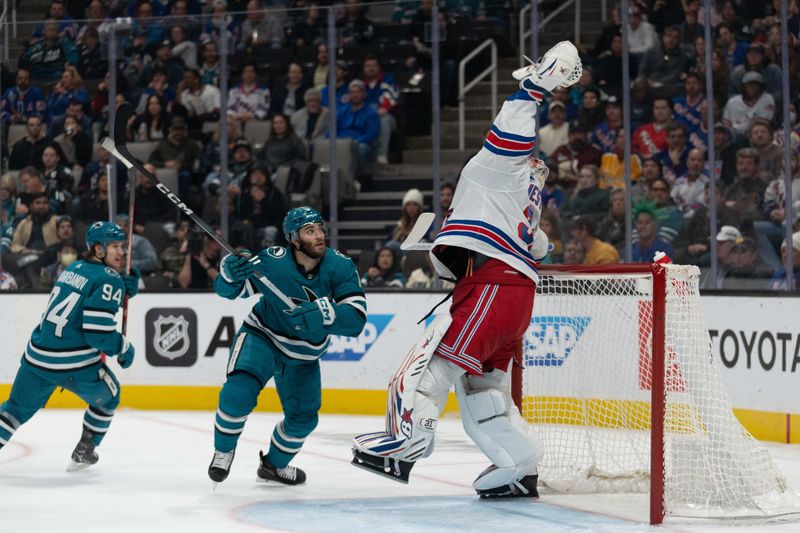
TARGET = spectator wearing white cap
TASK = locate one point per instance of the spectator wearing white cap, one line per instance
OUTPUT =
(754, 102)
(727, 238)
(778, 281)
(412, 209)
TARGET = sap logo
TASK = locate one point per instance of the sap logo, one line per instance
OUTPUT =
(354, 348)
(550, 339)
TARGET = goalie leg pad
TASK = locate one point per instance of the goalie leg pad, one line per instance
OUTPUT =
(493, 422)
(417, 394)
(410, 437)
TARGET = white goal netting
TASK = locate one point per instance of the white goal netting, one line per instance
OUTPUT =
(586, 390)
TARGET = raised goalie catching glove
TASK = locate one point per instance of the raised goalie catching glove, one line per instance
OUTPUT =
(559, 67)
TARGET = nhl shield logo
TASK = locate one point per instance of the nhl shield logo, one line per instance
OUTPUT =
(171, 338)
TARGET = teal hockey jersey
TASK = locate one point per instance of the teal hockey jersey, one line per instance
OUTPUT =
(334, 277)
(80, 319)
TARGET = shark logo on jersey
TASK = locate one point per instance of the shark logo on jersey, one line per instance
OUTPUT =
(172, 336)
(550, 339)
(355, 348)
(310, 297)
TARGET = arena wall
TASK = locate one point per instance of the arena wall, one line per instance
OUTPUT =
(182, 343)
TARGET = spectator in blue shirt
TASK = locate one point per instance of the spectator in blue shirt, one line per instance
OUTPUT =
(360, 122)
(68, 89)
(342, 89)
(67, 27)
(22, 101)
(673, 157)
(648, 241)
(734, 52)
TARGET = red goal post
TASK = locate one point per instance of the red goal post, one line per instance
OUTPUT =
(619, 383)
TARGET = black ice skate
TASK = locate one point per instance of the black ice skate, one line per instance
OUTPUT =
(84, 455)
(394, 469)
(291, 475)
(220, 465)
(521, 488)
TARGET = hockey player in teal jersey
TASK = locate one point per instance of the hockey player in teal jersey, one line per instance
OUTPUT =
(65, 350)
(275, 342)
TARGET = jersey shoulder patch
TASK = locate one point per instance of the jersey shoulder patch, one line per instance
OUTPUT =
(277, 252)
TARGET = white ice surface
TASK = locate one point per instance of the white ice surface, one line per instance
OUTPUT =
(152, 478)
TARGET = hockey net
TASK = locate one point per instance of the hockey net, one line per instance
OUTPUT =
(621, 387)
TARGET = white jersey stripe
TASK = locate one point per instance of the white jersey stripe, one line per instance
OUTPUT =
(7, 427)
(69, 366)
(94, 428)
(231, 419)
(99, 327)
(287, 438)
(99, 314)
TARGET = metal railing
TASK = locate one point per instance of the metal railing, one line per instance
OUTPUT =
(464, 89)
(4, 29)
(524, 14)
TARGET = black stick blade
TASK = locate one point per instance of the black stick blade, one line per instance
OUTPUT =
(121, 118)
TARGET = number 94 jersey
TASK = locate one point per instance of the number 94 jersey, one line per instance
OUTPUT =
(80, 319)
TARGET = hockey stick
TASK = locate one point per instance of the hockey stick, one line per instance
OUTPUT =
(129, 259)
(118, 149)
(417, 233)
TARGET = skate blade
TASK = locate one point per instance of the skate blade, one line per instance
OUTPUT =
(77, 467)
(381, 472)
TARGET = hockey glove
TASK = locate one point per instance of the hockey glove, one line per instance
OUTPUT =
(560, 67)
(237, 268)
(540, 247)
(125, 357)
(132, 282)
(312, 316)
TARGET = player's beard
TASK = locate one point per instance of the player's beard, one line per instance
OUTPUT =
(312, 249)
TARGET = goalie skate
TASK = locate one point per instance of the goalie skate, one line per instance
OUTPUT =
(521, 488)
(389, 467)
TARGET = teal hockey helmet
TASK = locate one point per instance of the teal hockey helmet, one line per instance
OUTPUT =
(103, 233)
(298, 217)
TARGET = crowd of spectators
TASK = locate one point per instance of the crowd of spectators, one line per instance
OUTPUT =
(170, 71)
(581, 139)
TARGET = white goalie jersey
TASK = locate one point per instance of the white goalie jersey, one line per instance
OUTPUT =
(497, 203)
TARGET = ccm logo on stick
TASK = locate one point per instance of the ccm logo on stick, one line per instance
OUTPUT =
(174, 199)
